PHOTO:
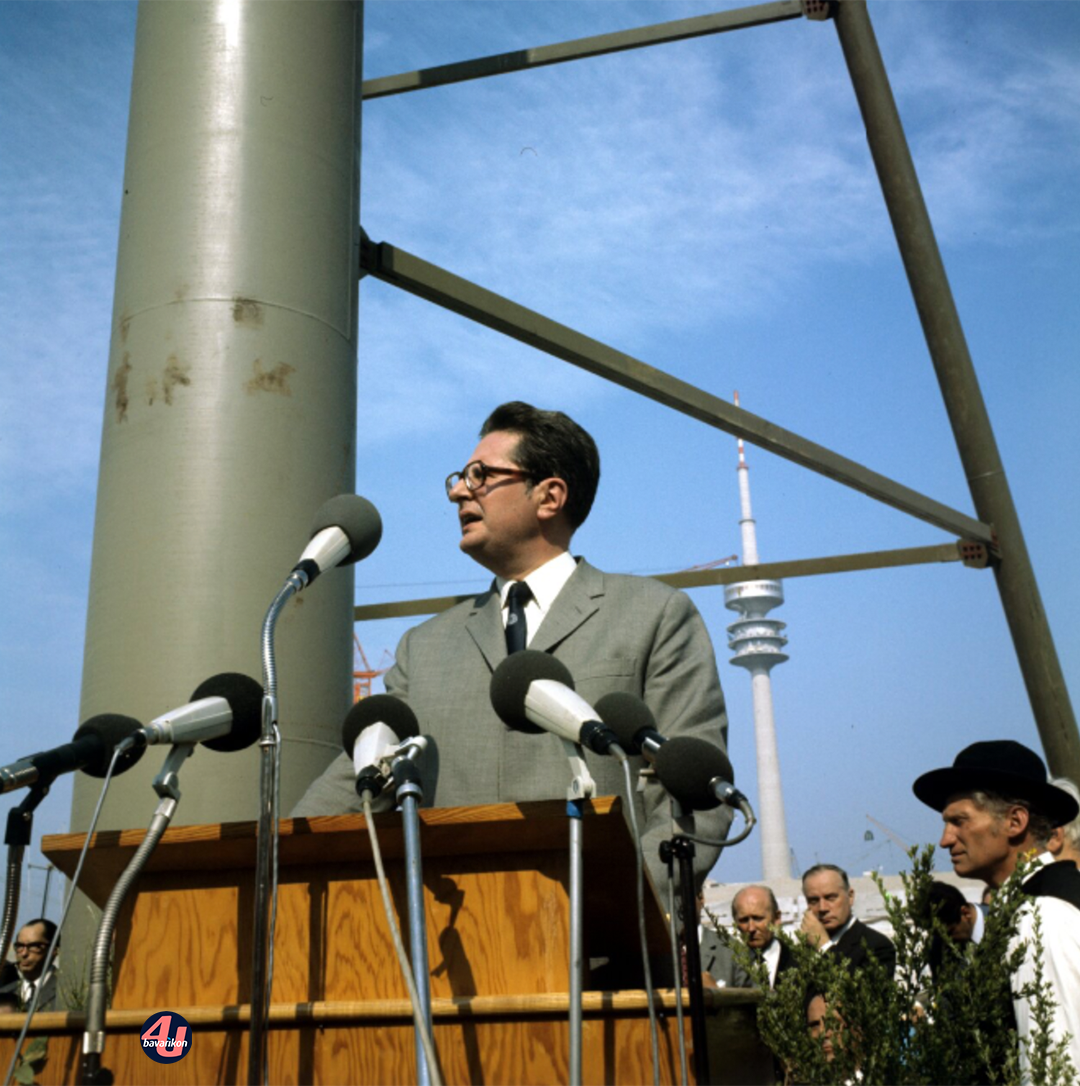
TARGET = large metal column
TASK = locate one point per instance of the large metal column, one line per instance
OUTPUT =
(960, 389)
(230, 410)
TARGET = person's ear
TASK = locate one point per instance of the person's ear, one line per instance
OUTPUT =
(1017, 819)
(551, 497)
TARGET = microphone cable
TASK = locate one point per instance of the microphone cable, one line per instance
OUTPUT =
(725, 842)
(51, 954)
(650, 995)
(399, 947)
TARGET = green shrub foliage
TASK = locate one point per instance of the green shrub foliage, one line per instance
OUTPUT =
(952, 1024)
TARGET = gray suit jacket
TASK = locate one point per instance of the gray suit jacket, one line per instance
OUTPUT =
(718, 961)
(613, 632)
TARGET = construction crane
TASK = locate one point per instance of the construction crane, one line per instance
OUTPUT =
(363, 672)
(891, 834)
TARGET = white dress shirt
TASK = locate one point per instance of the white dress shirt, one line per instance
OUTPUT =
(831, 940)
(1060, 924)
(545, 584)
(771, 956)
(979, 928)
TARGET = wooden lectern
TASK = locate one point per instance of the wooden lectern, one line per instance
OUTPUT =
(496, 897)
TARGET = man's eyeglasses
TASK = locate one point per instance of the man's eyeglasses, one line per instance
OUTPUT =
(37, 948)
(475, 474)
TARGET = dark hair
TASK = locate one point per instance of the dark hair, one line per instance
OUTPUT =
(48, 925)
(945, 902)
(810, 993)
(551, 445)
(817, 869)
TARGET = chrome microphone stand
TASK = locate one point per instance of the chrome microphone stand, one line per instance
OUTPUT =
(582, 787)
(410, 794)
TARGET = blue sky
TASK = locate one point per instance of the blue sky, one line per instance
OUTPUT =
(708, 207)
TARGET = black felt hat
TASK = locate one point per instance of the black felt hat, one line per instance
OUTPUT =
(1003, 766)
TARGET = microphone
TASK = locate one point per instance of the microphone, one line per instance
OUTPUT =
(632, 722)
(698, 774)
(224, 714)
(531, 688)
(346, 529)
(91, 750)
(372, 732)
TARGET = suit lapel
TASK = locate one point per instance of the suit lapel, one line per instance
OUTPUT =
(787, 960)
(484, 626)
(580, 598)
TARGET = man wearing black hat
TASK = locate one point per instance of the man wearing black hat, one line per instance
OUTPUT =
(998, 807)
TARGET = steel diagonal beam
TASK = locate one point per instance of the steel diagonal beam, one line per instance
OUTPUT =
(435, 284)
(970, 554)
(963, 399)
(581, 48)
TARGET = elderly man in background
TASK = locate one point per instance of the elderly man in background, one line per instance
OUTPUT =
(757, 916)
(1064, 843)
(829, 922)
(999, 807)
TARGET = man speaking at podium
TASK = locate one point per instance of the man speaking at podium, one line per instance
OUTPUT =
(527, 487)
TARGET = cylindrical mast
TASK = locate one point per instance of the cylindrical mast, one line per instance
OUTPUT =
(230, 409)
(747, 524)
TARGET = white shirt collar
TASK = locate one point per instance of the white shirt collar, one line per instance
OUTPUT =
(771, 956)
(26, 987)
(1042, 860)
(545, 584)
(980, 925)
(838, 935)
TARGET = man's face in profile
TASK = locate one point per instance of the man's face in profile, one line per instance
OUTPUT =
(977, 840)
(499, 517)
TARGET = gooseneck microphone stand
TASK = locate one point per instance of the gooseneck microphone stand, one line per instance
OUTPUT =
(20, 825)
(410, 794)
(262, 978)
(167, 786)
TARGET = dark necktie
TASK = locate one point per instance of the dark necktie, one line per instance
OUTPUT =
(517, 634)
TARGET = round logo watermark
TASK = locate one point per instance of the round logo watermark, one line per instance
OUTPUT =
(165, 1037)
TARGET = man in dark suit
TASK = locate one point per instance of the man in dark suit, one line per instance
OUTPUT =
(31, 946)
(757, 916)
(830, 926)
(527, 487)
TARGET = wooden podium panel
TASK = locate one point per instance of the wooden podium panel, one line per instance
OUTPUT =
(497, 911)
(495, 894)
(482, 1041)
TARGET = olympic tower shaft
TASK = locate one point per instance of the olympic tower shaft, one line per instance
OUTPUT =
(757, 643)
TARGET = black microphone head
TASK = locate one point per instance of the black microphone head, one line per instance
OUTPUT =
(627, 716)
(378, 709)
(111, 729)
(357, 518)
(244, 696)
(512, 678)
(686, 765)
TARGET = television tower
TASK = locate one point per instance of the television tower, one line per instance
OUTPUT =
(758, 643)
